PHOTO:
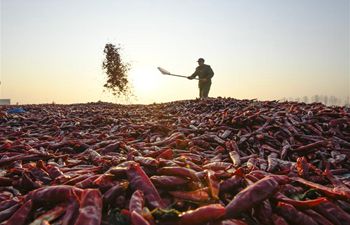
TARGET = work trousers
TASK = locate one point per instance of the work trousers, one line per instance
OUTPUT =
(204, 90)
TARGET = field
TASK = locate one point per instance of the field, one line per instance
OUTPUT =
(214, 161)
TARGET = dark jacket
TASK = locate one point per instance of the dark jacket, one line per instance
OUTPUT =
(203, 71)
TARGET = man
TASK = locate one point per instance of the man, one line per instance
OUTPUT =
(204, 73)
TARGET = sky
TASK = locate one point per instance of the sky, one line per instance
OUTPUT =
(52, 51)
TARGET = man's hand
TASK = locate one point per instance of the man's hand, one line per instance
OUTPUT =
(190, 78)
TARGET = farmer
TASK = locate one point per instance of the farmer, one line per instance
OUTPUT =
(204, 73)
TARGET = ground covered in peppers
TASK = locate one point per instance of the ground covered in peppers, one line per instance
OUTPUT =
(215, 161)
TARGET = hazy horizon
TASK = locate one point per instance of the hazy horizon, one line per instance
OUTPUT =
(52, 51)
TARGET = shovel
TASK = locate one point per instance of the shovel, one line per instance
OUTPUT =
(165, 72)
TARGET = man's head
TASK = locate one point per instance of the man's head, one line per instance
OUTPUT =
(200, 61)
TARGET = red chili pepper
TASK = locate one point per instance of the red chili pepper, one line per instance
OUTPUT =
(200, 195)
(87, 183)
(5, 181)
(110, 195)
(136, 202)
(146, 161)
(71, 214)
(231, 184)
(317, 217)
(332, 192)
(333, 213)
(167, 154)
(233, 150)
(229, 222)
(53, 194)
(202, 214)
(7, 204)
(294, 216)
(5, 214)
(278, 220)
(21, 215)
(252, 195)
(218, 166)
(300, 204)
(105, 182)
(90, 211)
(168, 182)
(137, 219)
(139, 180)
(54, 171)
(263, 212)
(179, 171)
(307, 148)
(77, 179)
(213, 184)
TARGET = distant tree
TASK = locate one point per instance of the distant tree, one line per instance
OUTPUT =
(117, 72)
(305, 99)
(325, 100)
(315, 98)
(347, 101)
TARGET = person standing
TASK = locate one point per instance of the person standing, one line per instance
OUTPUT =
(204, 73)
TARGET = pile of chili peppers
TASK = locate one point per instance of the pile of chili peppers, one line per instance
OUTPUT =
(217, 161)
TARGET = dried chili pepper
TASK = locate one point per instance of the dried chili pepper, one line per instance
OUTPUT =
(21, 215)
(252, 195)
(136, 202)
(139, 180)
(202, 214)
(90, 210)
(292, 215)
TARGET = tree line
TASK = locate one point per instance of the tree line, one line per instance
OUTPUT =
(325, 99)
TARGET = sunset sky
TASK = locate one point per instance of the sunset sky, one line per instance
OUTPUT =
(264, 49)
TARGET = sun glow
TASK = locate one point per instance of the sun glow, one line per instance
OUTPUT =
(145, 80)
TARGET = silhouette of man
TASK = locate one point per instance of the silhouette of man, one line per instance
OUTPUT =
(204, 73)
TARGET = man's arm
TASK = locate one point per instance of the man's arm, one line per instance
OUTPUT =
(193, 75)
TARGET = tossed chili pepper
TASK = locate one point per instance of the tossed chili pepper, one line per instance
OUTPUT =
(202, 214)
(252, 195)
